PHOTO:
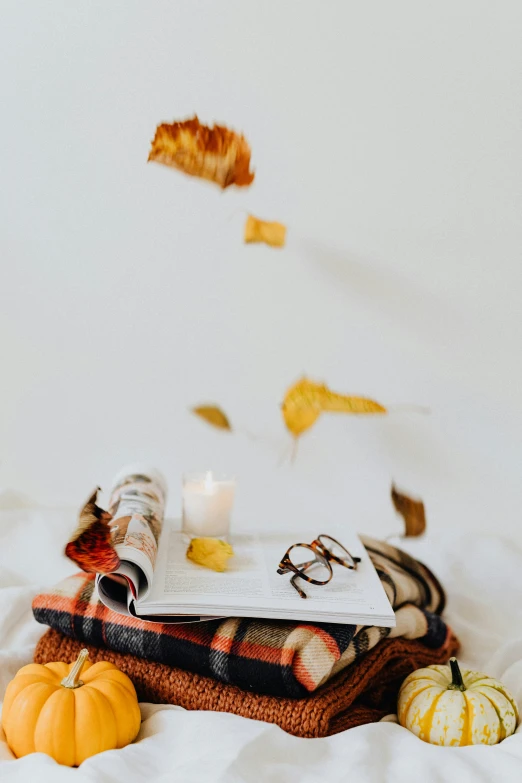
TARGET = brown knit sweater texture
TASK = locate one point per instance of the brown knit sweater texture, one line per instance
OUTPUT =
(363, 693)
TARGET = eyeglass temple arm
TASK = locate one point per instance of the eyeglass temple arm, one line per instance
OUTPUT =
(300, 566)
(308, 564)
(302, 593)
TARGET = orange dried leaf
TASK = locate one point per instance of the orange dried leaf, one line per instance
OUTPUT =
(213, 153)
(412, 511)
(306, 400)
(256, 230)
(213, 415)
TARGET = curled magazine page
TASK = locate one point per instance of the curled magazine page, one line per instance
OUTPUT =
(137, 507)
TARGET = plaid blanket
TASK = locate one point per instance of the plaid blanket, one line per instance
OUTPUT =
(265, 656)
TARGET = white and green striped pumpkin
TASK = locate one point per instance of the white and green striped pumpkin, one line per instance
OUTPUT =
(444, 706)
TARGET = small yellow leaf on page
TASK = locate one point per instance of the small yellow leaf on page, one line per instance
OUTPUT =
(210, 552)
(306, 400)
(213, 415)
(412, 511)
(256, 230)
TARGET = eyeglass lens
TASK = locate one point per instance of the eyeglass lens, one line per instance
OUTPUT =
(337, 549)
(309, 562)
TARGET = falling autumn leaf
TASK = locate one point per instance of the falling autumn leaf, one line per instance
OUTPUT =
(213, 415)
(213, 153)
(210, 553)
(257, 230)
(90, 546)
(306, 400)
(412, 511)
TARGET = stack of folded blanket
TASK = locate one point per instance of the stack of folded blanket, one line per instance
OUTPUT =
(312, 679)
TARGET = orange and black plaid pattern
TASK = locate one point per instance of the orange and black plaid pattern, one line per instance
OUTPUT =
(266, 656)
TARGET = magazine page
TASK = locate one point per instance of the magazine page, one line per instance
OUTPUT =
(251, 586)
(137, 506)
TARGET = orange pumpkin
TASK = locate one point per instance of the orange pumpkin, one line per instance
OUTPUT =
(49, 709)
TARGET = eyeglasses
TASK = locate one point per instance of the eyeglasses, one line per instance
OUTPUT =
(326, 550)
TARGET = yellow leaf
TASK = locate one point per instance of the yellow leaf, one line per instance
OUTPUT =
(305, 401)
(210, 553)
(213, 415)
(256, 230)
(412, 511)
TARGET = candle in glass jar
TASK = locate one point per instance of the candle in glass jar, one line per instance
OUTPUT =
(207, 504)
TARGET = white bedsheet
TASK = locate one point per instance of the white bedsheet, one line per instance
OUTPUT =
(483, 579)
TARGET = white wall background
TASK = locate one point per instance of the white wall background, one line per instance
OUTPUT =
(386, 135)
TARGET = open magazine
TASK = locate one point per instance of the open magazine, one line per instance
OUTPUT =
(155, 580)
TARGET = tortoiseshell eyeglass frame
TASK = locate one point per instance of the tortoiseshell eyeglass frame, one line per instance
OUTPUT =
(322, 555)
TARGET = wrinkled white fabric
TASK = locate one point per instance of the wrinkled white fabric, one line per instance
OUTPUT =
(482, 579)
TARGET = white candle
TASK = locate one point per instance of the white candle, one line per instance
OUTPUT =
(207, 504)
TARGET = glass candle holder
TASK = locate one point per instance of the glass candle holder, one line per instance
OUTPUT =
(207, 504)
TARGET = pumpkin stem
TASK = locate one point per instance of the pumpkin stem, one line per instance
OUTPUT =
(457, 683)
(70, 681)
